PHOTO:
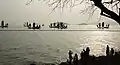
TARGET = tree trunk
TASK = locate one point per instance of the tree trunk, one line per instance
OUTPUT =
(108, 13)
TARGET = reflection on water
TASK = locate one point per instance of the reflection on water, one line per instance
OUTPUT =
(18, 48)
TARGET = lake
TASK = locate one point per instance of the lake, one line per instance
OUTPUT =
(24, 47)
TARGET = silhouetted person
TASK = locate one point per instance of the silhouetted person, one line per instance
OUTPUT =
(119, 12)
(112, 51)
(102, 24)
(82, 55)
(2, 24)
(107, 50)
(87, 51)
(70, 56)
(75, 59)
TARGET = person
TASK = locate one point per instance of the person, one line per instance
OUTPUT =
(70, 56)
(87, 51)
(75, 59)
(112, 51)
(82, 55)
(107, 50)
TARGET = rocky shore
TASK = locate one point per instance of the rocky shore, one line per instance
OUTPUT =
(111, 58)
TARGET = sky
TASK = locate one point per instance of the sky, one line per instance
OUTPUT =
(16, 12)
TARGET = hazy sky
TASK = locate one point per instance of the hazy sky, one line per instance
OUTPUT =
(15, 11)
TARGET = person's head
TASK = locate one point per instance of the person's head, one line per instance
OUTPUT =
(75, 54)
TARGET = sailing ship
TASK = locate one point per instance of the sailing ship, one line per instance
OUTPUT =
(4, 25)
(59, 25)
(102, 25)
(29, 26)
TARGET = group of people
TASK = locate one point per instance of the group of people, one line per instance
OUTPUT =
(85, 55)
(59, 25)
(74, 60)
(109, 52)
(3, 24)
(102, 25)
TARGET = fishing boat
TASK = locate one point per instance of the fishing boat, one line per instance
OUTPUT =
(59, 25)
(102, 26)
(29, 26)
(4, 25)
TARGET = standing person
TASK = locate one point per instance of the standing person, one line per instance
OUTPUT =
(107, 50)
(70, 56)
(112, 51)
(75, 59)
(87, 51)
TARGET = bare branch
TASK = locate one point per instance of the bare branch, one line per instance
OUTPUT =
(106, 15)
(29, 2)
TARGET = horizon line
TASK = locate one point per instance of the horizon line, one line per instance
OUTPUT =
(63, 30)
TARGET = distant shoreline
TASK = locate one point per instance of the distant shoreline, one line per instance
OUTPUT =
(61, 30)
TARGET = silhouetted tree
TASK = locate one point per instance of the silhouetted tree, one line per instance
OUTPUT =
(109, 8)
